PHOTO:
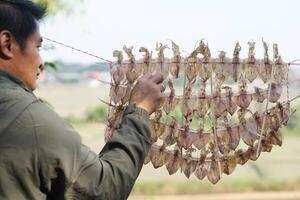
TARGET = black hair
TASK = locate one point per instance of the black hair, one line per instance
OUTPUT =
(20, 17)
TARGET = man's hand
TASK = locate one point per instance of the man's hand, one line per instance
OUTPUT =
(148, 93)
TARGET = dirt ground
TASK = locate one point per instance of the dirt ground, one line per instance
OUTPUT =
(243, 196)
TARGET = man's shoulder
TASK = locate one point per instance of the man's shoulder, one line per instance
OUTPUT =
(44, 115)
(42, 112)
(50, 126)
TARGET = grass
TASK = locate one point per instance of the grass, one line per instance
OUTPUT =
(97, 114)
(293, 125)
(197, 187)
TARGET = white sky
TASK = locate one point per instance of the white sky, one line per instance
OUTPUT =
(106, 25)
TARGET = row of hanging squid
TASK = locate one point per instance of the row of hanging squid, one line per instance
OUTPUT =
(194, 66)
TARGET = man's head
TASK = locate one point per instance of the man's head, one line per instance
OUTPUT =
(20, 39)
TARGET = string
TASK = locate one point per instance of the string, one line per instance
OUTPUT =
(182, 117)
(156, 146)
(180, 129)
(294, 62)
(266, 109)
(294, 98)
(208, 97)
(110, 62)
(78, 50)
(287, 84)
(214, 120)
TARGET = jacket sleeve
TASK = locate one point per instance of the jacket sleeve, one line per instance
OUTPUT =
(70, 169)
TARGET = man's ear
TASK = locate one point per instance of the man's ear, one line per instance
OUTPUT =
(6, 44)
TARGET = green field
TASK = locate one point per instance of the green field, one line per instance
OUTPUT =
(275, 171)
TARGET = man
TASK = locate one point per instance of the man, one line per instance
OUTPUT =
(41, 156)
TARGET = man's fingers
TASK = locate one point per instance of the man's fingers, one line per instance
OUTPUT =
(157, 78)
(146, 76)
(162, 87)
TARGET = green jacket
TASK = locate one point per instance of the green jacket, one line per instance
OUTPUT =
(42, 157)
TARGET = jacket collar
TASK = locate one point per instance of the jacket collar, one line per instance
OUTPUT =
(7, 76)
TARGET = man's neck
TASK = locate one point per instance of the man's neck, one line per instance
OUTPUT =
(11, 75)
(8, 67)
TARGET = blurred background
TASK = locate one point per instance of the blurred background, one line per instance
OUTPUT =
(70, 83)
